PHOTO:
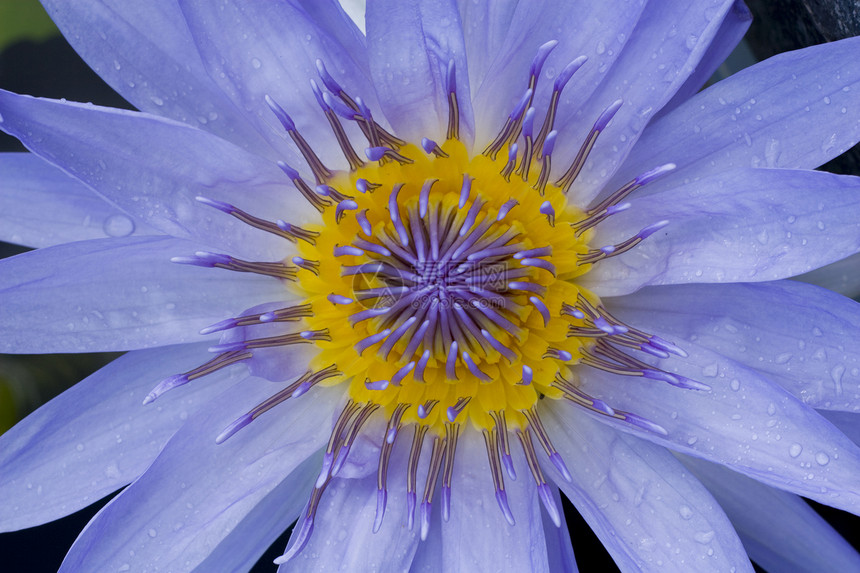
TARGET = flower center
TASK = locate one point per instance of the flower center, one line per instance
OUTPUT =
(441, 287)
(435, 284)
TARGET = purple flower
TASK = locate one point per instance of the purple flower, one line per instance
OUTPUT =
(408, 287)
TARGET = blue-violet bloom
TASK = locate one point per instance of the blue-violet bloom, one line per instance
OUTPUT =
(406, 286)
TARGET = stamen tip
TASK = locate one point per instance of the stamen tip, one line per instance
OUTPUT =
(558, 462)
(234, 427)
(651, 229)
(549, 504)
(375, 153)
(410, 509)
(502, 500)
(301, 539)
(381, 502)
(425, 519)
(220, 205)
(508, 462)
(567, 73)
(607, 115)
(291, 173)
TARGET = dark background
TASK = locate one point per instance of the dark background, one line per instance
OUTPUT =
(51, 68)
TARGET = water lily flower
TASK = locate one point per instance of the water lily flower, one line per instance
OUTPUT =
(409, 286)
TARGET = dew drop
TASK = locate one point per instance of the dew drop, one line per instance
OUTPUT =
(710, 370)
(735, 384)
(836, 375)
(685, 512)
(783, 358)
(112, 472)
(157, 100)
(795, 450)
(79, 447)
(256, 63)
(704, 536)
(118, 225)
(822, 459)
(152, 532)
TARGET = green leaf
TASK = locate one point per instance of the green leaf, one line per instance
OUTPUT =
(24, 20)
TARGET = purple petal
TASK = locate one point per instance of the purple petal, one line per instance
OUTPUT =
(153, 169)
(665, 47)
(339, 544)
(41, 206)
(246, 542)
(144, 51)
(788, 111)
(742, 225)
(745, 422)
(639, 500)
(780, 531)
(733, 28)
(559, 547)
(116, 294)
(196, 491)
(485, 27)
(847, 422)
(477, 529)
(278, 363)
(597, 30)
(429, 554)
(793, 333)
(410, 44)
(272, 50)
(96, 437)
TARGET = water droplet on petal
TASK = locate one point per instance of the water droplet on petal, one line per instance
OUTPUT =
(795, 450)
(704, 536)
(118, 225)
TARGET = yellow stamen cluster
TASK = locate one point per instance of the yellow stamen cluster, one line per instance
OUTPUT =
(506, 390)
